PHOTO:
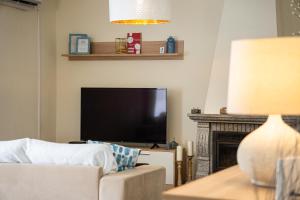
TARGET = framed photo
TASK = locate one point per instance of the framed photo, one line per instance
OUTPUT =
(72, 41)
(83, 45)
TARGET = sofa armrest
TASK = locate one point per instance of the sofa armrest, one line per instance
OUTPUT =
(49, 182)
(141, 183)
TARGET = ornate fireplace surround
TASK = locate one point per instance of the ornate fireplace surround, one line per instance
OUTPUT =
(231, 129)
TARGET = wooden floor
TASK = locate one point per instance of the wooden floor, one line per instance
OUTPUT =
(231, 183)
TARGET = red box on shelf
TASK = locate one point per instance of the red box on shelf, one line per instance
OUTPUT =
(134, 43)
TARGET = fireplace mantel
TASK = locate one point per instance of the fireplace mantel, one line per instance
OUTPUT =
(208, 124)
(251, 119)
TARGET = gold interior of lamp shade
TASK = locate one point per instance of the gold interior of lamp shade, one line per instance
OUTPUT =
(140, 21)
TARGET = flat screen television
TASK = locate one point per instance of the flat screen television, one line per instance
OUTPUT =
(133, 115)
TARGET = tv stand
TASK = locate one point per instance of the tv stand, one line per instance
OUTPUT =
(163, 157)
(154, 146)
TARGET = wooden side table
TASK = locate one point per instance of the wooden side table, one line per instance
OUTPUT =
(227, 184)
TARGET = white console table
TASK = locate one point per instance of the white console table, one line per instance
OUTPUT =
(162, 157)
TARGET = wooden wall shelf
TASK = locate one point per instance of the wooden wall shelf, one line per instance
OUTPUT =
(150, 51)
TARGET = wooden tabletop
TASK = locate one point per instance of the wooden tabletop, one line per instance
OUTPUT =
(227, 184)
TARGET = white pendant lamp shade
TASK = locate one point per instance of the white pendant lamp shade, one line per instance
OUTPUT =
(139, 11)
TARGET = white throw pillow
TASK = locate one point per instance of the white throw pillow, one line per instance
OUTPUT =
(42, 152)
(14, 151)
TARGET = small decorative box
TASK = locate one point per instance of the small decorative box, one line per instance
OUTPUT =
(134, 43)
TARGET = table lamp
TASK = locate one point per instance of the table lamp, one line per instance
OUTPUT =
(264, 79)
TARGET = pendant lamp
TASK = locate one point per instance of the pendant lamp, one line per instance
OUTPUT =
(139, 12)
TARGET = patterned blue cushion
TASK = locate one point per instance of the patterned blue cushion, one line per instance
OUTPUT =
(126, 157)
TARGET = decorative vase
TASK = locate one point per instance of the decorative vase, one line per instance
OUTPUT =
(171, 45)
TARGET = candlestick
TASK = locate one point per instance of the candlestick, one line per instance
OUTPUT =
(190, 168)
(179, 179)
(190, 148)
(179, 153)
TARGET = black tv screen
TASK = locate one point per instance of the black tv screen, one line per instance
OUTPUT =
(137, 115)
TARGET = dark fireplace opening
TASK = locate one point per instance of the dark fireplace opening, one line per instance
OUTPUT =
(225, 145)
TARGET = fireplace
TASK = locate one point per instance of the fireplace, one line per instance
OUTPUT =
(218, 137)
(225, 145)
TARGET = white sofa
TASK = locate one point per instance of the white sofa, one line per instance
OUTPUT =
(61, 182)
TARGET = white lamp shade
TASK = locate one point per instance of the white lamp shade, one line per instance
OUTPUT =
(264, 77)
(140, 11)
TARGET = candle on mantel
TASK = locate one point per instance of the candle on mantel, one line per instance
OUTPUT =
(179, 153)
(190, 148)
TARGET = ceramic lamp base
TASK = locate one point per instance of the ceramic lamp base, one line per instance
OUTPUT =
(259, 151)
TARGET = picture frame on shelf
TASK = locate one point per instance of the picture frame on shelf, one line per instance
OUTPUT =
(73, 40)
(83, 45)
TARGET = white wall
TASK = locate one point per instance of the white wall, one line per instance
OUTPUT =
(240, 19)
(208, 27)
(18, 73)
(195, 22)
(198, 81)
(48, 69)
(20, 113)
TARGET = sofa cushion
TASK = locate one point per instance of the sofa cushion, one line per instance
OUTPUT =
(126, 157)
(42, 152)
(13, 151)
